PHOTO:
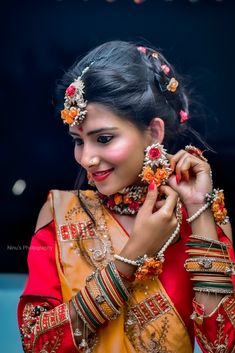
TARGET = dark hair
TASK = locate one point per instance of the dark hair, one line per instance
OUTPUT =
(130, 81)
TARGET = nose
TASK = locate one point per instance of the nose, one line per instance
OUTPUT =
(88, 159)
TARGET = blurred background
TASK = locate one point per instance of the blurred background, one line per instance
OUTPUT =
(41, 39)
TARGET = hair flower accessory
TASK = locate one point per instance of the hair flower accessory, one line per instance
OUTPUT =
(172, 85)
(183, 116)
(141, 49)
(156, 166)
(165, 69)
(71, 90)
(74, 111)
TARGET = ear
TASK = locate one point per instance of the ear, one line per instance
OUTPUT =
(157, 130)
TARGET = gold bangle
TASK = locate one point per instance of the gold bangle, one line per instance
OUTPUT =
(209, 264)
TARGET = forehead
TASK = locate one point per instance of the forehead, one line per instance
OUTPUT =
(98, 117)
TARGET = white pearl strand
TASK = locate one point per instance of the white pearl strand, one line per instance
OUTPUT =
(126, 260)
(159, 254)
(198, 213)
(167, 243)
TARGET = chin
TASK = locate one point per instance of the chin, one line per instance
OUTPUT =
(109, 190)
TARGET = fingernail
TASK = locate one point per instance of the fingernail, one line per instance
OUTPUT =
(152, 185)
(177, 178)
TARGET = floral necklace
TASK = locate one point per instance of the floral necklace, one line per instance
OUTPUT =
(127, 201)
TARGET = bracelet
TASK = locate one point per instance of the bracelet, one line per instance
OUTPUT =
(125, 277)
(198, 213)
(149, 266)
(212, 241)
(215, 199)
(126, 260)
(212, 288)
(209, 264)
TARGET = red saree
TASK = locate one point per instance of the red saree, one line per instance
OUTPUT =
(157, 319)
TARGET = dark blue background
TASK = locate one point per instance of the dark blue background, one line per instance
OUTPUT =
(41, 39)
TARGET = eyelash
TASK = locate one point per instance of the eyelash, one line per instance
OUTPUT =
(101, 139)
(107, 138)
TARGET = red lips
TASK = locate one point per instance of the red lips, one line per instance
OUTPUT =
(102, 175)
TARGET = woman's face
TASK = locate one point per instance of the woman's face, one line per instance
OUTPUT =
(110, 148)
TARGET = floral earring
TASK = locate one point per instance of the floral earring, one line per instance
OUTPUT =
(156, 166)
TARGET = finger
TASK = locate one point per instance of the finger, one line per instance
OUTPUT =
(189, 163)
(173, 159)
(171, 200)
(151, 198)
(182, 168)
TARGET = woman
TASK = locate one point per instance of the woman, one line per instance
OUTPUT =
(141, 261)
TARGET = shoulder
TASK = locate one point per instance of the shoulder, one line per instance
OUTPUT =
(45, 216)
(57, 198)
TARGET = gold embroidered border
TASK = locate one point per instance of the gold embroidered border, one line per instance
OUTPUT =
(150, 309)
(76, 230)
(219, 345)
(51, 319)
(229, 307)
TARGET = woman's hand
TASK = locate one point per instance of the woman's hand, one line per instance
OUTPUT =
(154, 223)
(191, 178)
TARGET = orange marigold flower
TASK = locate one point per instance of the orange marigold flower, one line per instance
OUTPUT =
(148, 174)
(127, 199)
(160, 176)
(151, 267)
(68, 115)
(117, 199)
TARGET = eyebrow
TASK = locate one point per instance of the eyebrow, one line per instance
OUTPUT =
(92, 132)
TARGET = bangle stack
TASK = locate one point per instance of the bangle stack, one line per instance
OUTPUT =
(101, 298)
(209, 265)
(215, 199)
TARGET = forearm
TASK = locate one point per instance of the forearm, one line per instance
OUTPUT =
(206, 227)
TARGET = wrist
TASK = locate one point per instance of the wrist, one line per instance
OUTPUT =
(193, 208)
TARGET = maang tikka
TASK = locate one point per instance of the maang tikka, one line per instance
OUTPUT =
(74, 111)
(156, 166)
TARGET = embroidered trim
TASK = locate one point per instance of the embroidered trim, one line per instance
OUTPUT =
(229, 307)
(76, 230)
(29, 316)
(48, 320)
(148, 310)
(91, 240)
(54, 344)
(221, 342)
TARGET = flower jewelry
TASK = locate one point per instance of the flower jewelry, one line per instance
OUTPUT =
(148, 267)
(167, 83)
(74, 111)
(126, 201)
(183, 116)
(215, 199)
(195, 152)
(172, 85)
(156, 166)
(218, 208)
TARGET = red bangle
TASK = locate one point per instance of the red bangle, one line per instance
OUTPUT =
(125, 277)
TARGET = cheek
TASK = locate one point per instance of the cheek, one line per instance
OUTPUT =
(126, 151)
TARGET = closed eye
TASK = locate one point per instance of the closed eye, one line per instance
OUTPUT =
(104, 138)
